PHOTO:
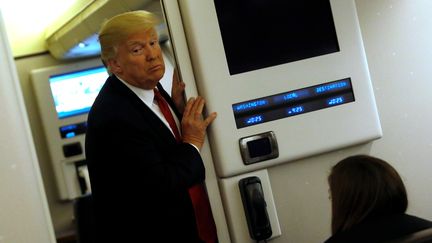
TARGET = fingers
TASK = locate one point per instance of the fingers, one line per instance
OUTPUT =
(182, 85)
(193, 124)
(198, 107)
(178, 95)
(210, 118)
(176, 78)
(194, 109)
(188, 107)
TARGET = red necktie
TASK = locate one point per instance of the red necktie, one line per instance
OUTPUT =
(163, 106)
(203, 214)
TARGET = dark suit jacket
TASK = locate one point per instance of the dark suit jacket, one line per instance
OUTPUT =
(139, 174)
(381, 229)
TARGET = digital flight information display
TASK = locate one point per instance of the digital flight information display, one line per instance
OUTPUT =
(292, 103)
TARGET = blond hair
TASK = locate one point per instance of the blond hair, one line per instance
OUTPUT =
(117, 29)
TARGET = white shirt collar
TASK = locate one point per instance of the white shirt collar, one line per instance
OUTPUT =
(147, 96)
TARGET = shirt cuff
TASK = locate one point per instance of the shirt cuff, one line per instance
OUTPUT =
(195, 147)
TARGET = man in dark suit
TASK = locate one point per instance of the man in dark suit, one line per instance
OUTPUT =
(140, 169)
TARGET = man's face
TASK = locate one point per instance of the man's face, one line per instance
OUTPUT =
(139, 60)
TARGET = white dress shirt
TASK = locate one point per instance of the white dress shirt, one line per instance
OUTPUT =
(147, 96)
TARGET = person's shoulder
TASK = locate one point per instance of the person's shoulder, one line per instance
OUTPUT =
(111, 95)
(381, 229)
(417, 221)
(350, 236)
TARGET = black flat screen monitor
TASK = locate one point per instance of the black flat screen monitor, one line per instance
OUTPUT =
(262, 33)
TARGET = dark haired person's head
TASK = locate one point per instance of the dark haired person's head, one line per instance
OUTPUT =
(363, 187)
